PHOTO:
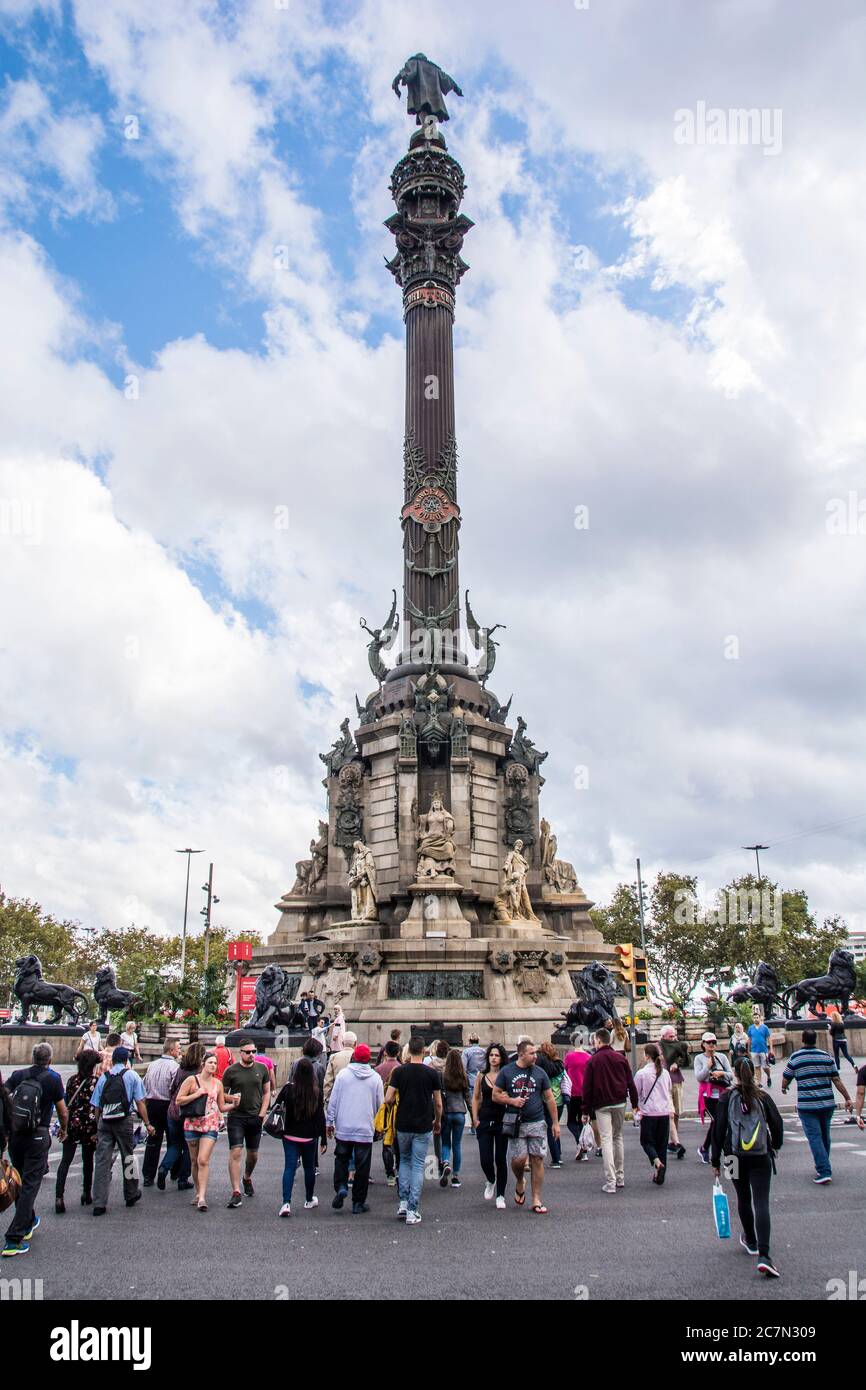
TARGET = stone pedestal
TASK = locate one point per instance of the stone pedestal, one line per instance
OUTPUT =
(435, 911)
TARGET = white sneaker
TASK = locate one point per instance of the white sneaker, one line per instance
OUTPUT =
(489, 1189)
(401, 1211)
(609, 1189)
(412, 1218)
(285, 1209)
(313, 1202)
(500, 1203)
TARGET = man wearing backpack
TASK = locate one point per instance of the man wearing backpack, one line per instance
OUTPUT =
(36, 1091)
(117, 1093)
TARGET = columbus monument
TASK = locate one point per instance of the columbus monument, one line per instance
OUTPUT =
(433, 895)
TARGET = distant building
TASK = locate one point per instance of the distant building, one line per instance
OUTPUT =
(857, 942)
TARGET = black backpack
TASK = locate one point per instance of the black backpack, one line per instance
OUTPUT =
(26, 1106)
(115, 1099)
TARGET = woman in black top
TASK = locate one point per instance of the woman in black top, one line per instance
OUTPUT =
(751, 1173)
(487, 1122)
(304, 1123)
(838, 1038)
(81, 1128)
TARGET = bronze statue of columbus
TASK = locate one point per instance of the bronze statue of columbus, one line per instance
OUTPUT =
(426, 88)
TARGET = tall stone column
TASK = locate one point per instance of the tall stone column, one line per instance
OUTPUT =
(427, 186)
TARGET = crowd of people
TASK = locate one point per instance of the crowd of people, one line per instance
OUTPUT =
(410, 1098)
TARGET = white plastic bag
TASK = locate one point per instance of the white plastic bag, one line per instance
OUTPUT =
(587, 1138)
(565, 1085)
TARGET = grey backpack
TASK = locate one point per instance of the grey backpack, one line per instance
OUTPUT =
(748, 1130)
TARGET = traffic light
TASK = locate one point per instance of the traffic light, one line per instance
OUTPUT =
(625, 957)
(641, 986)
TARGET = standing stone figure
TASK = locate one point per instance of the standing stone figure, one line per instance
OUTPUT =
(512, 901)
(426, 88)
(362, 881)
(436, 850)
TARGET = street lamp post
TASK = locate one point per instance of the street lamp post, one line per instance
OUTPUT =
(189, 853)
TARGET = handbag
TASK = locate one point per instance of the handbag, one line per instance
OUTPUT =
(10, 1184)
(275, 1120)
(511, 1123)
(195, 1109)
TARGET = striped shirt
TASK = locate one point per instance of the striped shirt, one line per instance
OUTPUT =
(158, 1078)
(813, 1070)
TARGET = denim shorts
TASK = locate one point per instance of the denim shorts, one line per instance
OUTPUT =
(192, 1136)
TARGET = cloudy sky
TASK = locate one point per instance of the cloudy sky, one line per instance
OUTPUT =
(660, 387)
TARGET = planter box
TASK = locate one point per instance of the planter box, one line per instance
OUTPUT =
(151, 1032)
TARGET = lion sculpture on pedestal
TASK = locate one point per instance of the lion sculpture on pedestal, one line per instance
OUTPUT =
(32, 991)
(595, 1006)
(109, 996)
(273, 1009)
(839, 983)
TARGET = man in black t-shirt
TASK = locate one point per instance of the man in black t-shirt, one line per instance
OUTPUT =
(29, 1151)
(418, 1091)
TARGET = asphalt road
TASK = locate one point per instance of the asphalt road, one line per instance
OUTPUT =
(644, 1243)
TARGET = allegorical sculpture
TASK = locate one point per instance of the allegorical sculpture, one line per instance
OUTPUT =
(382, 640)
(426, 88)
(109, 996)
(595, 1005)
(362, 882)
(558, 873)
(436, 852)
(839, 983)
(512, 902)
(31, 991)
(765, 989)
(273, 1007)
(482, 637)
(341, 752)
(523, 750)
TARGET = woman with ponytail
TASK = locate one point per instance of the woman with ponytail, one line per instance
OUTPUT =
(653, 1083)
(747, 1129)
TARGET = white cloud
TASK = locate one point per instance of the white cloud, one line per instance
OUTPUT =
(705, 449)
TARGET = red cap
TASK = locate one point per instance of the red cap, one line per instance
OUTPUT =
(361, 1053)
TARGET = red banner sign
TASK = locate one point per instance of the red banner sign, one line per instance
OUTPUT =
(240, 950)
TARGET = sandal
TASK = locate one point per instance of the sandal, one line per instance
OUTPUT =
(520, 1197)
(539, 1210)
(202, 1206)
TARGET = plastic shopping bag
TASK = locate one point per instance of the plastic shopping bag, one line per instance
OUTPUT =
(587, 1138)
(721, 1212)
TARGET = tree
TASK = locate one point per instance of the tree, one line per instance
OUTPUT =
(679, 953)
(62, 947)
(620, 920)
(788, 939)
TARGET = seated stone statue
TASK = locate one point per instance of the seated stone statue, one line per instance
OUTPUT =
(436, 850)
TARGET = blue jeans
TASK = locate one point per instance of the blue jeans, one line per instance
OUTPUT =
(816, 1127)
(452, 1139)
(176, 1150)
(293, 1154)
(410, 1175)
